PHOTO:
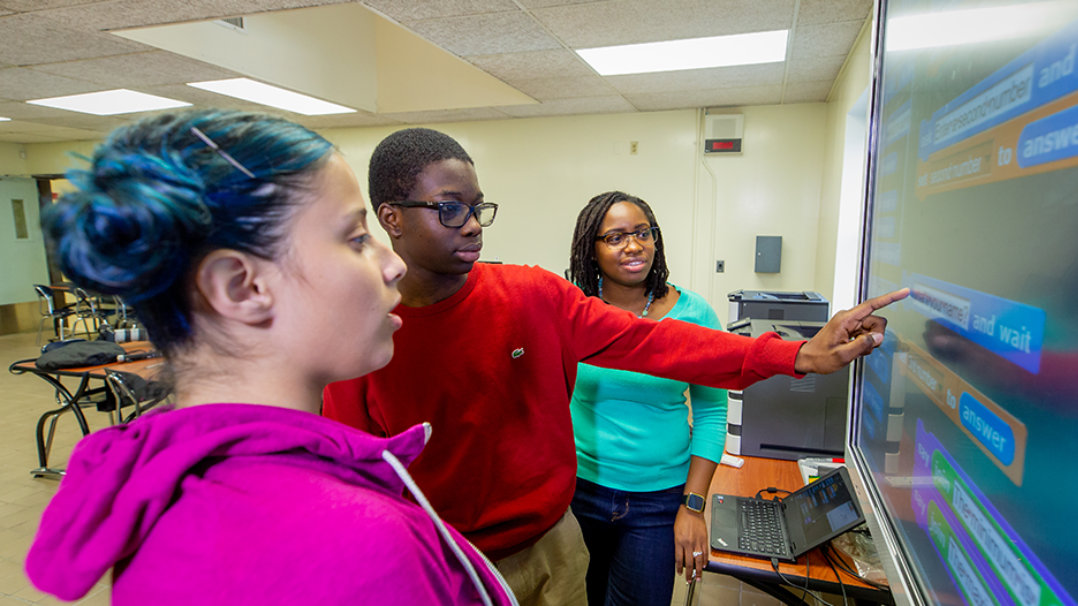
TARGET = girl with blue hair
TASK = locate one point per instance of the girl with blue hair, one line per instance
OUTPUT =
(241, 240)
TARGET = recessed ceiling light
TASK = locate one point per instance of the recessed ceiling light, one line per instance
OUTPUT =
(692, 53)
(110, 102)
(265, 94)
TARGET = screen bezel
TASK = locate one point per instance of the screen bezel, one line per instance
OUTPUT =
(794, 528)
(904, 583)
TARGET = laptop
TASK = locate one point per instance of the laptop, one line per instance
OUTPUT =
(786, 528)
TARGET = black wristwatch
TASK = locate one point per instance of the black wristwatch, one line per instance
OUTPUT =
(693, 502)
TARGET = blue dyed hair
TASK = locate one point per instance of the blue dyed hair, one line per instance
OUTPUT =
(157, 198)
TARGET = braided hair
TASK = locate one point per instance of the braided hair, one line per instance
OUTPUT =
(157, 197)
(400, 157)
(583, 266)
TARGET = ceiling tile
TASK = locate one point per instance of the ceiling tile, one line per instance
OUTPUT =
(418, 10)
(807, 92)
(23, 6)
(522, 42)
(632, 21)
(560, 107)
(345, 120)
(30, 39)
(18, 110)
(137, 70)
(545, 89)
(751, 95)
(22, 83)
(122, 14)
(251, 7)
(204, 98)
(532, 64)
(823, 40)
(832, 11)
(90, 122)
(700, 79)
(488, 34)
(24, 137)
(54, 132)
(452, 115)
(810, 68)
(104, 15)
(548, 3)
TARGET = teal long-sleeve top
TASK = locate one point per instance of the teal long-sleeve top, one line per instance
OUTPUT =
(631, 429)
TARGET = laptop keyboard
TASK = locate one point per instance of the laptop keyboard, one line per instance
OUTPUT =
(760, 530)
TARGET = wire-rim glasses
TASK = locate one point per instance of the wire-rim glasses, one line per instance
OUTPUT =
(455, 214)
(620, 239)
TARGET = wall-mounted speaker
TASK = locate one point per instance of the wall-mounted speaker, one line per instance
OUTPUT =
(723, 133)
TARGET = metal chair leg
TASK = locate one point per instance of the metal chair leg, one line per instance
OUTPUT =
(691, 590)
(51, 433)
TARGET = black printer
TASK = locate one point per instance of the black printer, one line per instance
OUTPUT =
(783, 417)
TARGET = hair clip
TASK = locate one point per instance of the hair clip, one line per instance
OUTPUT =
(221, 152)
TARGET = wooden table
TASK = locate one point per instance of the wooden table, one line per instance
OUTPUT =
(760, 473)
(72, 401)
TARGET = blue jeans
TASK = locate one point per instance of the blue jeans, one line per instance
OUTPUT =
(630, 536)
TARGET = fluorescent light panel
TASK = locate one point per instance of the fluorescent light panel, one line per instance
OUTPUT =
(110, 102)
(692, 53)
(265, 94)
(3, 119)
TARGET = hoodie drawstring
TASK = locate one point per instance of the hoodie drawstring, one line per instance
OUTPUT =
(420, 498)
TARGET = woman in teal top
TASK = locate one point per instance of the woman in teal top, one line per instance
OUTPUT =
(642, 471)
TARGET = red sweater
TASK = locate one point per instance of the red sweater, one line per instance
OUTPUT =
(492, 369)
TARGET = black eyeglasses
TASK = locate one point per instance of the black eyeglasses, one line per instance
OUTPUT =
(620, 239)
(455, 214)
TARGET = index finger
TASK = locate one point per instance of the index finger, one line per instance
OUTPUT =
(866, 308)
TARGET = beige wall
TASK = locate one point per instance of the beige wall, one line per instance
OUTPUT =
(542, 171)
(56, 158)
(12, 160)
(850, 85)
(771, 189)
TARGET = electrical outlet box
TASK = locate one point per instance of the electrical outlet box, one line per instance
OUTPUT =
(768, 254)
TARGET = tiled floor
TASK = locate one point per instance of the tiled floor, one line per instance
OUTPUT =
(22, 498)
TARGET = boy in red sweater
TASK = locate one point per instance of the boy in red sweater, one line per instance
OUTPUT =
(488, 356)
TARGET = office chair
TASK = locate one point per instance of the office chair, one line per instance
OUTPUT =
(122, 315)
(50, 311)
(132, 390)
(88, 312)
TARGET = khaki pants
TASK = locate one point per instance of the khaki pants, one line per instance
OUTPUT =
(552, 571)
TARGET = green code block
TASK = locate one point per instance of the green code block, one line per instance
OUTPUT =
(1012, 567)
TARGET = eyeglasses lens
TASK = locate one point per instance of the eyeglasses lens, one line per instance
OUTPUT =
(485, 214)
(619, 239)
(456, 215)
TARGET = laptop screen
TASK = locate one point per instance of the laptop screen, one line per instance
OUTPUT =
(821, 511)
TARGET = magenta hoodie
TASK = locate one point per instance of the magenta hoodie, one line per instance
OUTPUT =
(246, 504)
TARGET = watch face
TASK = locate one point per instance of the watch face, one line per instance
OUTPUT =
(694, 501)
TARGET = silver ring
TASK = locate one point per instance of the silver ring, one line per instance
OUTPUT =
(697, 554)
